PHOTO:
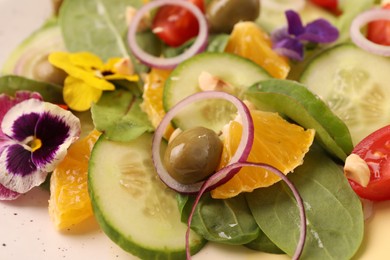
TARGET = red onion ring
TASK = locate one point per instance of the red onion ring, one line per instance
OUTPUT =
(233, 168)
(360, 40)
(167, 63)
(241, 154)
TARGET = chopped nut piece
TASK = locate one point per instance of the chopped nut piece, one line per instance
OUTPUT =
(124, 67)
(209, 82)
(356, 169)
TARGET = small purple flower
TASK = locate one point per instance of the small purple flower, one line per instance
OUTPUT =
(289, 41)
(34, 138)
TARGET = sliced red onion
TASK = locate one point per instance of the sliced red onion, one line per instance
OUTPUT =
(160, 62)
(241, 154)
(360, 40)
(232, 168)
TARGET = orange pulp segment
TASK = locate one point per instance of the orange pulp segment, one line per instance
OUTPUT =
(250, 41)
(69, 202)
(152, 103)
(276, 142)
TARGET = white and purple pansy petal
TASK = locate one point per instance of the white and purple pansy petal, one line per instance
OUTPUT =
(7, 194)
(39, 134)
(58, 129)
(6, 101)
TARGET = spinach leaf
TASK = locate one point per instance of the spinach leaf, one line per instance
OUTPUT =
(49, 92)
(334, 212)
(294, 100)
(119, 116)
(217, 42)
(264, 244)
(97, 26)
(227, 221)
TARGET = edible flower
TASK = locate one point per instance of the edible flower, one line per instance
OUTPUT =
(34, 137)
(88, 76)
(290, 41)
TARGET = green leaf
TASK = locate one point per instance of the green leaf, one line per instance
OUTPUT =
(264, 244)
(97, 26)
(295, 101)
(50, 93)
(334, 212)
(227, 221)
(217, 42)
(119, 116)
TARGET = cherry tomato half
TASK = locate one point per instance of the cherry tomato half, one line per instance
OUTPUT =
(331, 5)
(379, 31)
(375, 150)
(175, 25)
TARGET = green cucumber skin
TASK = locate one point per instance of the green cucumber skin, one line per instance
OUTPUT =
(241, 73)
(126, 242)
(40, 43)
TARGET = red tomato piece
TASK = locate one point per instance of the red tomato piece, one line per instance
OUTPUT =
(375, 150)
(379, 31)
(175, 25)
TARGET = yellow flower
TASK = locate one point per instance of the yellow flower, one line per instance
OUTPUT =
(88, 76)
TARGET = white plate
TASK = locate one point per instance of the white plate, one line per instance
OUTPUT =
(26, 230)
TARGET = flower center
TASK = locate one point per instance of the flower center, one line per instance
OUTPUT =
(35, 144)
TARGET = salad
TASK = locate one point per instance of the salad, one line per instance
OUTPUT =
(111, 92)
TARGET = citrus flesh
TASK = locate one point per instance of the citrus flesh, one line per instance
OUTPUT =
(69, 202)
(152, 103)
(250, 41)
(276, 142)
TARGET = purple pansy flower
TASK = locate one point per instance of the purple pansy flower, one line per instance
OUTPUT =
(34, 138)
(289, 41)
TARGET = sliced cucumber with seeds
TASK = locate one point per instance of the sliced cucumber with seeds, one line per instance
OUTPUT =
(239, 73)
(132, 206)
(355, 85)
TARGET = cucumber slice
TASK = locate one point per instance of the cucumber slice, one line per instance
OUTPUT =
(132, 206)
(355, 85)
(272, 13)
(33, 51)
(238, 72)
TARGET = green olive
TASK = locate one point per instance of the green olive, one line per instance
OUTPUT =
(44, 71)
(222, 15)
(193, 155)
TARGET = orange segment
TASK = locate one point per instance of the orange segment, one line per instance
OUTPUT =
(69, 202)
(276, 142)
(152, 103)
(250, 41)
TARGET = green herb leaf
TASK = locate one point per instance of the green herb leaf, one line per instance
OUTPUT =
(97, 26)
(295, 101)
(49, 92)
(227, 221)
(119, 116)
(334, 212)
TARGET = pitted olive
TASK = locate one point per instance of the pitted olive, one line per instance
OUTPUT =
(222, 15)
(193, 155)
